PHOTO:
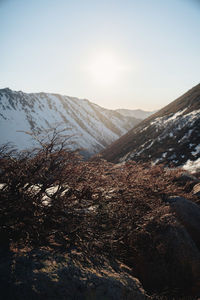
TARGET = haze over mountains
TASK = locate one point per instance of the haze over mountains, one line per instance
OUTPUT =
(137, 113)
(171, 135)
(93, 127)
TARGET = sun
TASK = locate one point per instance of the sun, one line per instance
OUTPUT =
(105, 68)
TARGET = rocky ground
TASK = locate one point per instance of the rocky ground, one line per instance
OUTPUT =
(107, 232)
(41, 274)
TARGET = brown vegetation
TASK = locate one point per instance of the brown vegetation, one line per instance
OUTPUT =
(95, 207)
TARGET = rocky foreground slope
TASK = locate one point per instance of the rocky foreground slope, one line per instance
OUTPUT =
(90, 126)
(97, 230)
(170, 136)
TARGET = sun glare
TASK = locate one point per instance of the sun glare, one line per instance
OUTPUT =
(105, 69)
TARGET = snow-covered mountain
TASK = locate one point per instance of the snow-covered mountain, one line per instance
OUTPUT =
(170, 136)
(93, 127)
(136, 113)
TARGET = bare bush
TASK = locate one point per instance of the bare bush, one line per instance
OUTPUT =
(51, 197)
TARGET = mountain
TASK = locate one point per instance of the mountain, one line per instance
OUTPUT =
(136, 113)
(171, 135)
(93, 127)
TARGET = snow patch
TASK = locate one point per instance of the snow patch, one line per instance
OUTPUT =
(196, 151)
(192, 166)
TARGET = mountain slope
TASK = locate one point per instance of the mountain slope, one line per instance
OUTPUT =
(136, 113)
(171, 135)
(93, 127)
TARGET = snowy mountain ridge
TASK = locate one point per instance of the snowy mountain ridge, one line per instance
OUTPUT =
(93, 127)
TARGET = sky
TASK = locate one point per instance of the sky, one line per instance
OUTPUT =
(116, 53)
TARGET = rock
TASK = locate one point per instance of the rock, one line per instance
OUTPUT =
(188, 214)
(186, 178)
(72, 276)
(196, 190)
(165, 256)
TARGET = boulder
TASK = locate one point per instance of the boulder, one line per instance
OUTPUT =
(187, 178)
(165, 255)
(42, 275)
(188, 214)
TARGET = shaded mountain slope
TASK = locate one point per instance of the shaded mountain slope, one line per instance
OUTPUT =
(171, 135)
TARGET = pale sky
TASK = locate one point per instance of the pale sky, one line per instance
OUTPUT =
(116, 53)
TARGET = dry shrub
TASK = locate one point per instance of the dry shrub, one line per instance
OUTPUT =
(96, 202)
(97, 206)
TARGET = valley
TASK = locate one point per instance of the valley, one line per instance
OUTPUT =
(123, 224)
